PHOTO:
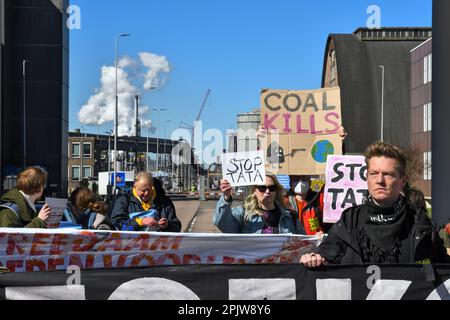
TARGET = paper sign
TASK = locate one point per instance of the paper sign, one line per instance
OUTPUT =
(303, 129)
(57, 206)
(244, 168)
(346, 182)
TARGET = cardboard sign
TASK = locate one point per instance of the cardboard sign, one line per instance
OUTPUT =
(317, 184)
(57, 206)
(244, 168)
(346, 182)
(303, 129)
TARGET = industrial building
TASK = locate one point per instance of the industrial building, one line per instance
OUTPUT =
(34, 89)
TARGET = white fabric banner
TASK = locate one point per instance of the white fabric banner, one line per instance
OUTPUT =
(28, 250)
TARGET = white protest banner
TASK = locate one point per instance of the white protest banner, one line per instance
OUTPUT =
(244, 168)
(29, 250)
(57, 206)
(346, 181)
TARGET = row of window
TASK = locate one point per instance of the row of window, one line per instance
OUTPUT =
(427, 165)
(427, 117)
(427, 68)
(75, 172)
(75, 150)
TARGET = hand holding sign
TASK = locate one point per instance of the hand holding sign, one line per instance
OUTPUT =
(225, 187)
(45, 212)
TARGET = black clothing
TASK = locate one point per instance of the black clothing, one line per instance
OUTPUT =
(128, 203)
(369, 233)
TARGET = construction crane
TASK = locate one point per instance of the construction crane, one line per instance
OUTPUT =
(185, 125)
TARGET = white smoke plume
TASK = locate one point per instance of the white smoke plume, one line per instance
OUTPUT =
(158, 68)
(100, 107)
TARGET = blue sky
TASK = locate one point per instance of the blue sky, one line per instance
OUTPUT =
(233, 47)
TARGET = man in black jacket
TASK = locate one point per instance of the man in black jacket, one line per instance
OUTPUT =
(146, 196)
(387, 228)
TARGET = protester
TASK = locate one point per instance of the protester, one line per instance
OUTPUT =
(263, 211)
(306, 203)
(18, 205)
(385, 229)
(87, 211)
(147, 208)
(444, 234)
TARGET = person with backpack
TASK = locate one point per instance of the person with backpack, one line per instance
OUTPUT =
(264, 210)
(17, 206)
(85, 210)
(147, 208)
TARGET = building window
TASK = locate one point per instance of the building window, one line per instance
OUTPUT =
(427, 165)
(75, 150)
(75, 173)
(87, 150)
(427, 117)
(427, 68)
(87, 171)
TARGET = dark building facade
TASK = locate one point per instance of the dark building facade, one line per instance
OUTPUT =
(352, 62)
(421, 106)
(35, 30)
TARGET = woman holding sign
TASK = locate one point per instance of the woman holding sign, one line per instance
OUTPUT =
(263, 210)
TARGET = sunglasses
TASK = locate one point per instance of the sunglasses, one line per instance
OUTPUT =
(263, 189)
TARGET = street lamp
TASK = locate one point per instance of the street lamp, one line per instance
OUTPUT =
(165, 141)
(116, 113)
(382, 100)
(157, 138)
(24, 115)
(148, 125)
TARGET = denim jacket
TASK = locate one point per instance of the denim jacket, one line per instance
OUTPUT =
(231, 220)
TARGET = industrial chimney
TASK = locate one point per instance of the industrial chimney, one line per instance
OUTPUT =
(137, 128)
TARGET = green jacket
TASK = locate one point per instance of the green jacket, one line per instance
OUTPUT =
(28, 218)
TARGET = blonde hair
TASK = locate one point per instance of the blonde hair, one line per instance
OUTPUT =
(251, 204)
(144, 175)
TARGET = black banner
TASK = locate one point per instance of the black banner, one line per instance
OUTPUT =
(233, 282)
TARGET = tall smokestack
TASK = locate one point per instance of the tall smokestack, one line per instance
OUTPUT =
(137, 128)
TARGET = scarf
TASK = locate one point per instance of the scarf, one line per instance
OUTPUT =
(145, 205)
(380, 233)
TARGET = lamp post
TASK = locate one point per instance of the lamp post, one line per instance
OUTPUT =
(116, 113)
(165, 156)
(148, 125)
(157, 138)
(382, 101)
(24, 62)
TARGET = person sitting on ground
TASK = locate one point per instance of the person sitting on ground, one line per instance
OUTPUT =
(85, 210)
(146, 209)
(17, 209)
(386, 228)
(263, 211)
